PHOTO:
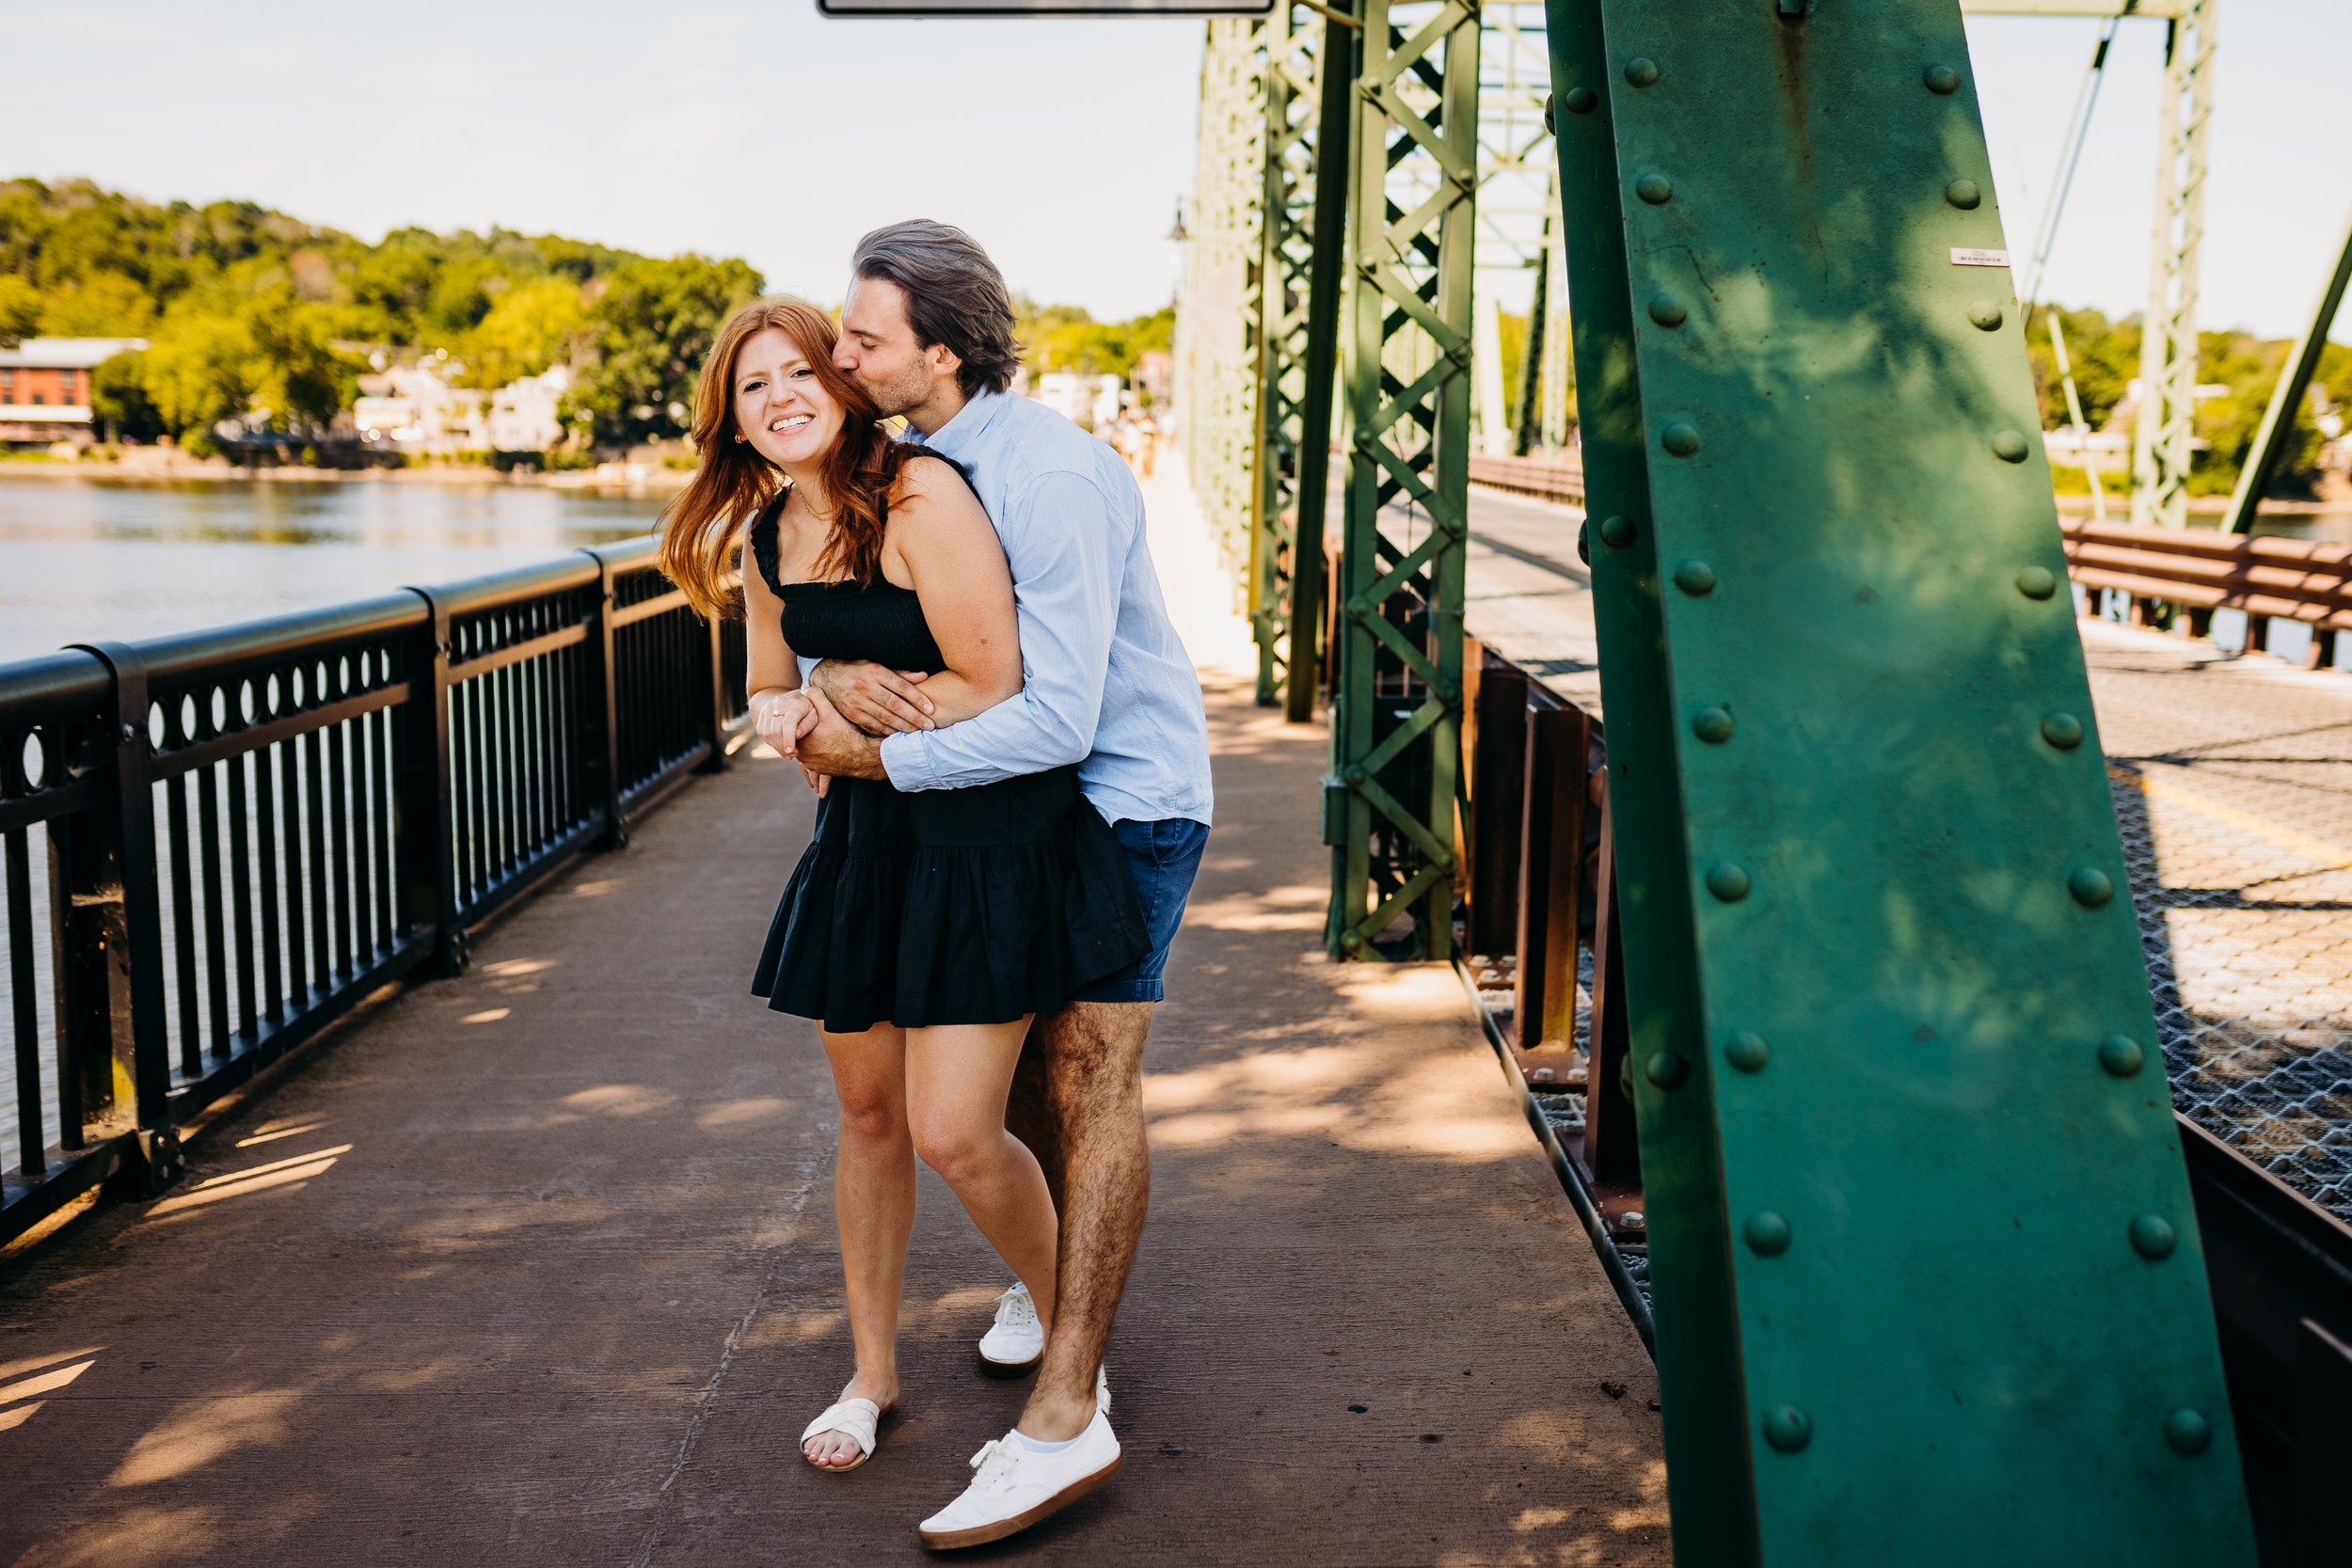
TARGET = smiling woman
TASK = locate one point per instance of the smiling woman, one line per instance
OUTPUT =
(701, 530)
(923, 929)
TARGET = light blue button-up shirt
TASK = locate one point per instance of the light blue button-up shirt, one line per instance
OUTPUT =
(1106, 680)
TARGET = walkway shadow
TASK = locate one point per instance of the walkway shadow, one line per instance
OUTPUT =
(537, 1268)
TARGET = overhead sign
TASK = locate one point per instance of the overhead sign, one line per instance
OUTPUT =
(1045, 8)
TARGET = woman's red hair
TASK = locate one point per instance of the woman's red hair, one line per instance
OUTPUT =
(702, 531)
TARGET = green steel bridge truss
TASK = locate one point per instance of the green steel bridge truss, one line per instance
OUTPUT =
(1930, 1283)
(1403, 298)
(1310, 252)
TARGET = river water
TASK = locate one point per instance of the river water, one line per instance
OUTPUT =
(87, 559)
(84, 559)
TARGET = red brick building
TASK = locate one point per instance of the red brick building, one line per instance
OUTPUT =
(45, 387)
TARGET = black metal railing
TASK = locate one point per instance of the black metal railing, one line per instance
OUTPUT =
(213, 845)
(1537, 901)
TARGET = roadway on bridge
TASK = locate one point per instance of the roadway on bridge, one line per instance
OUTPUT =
(538, 1267)
(2232, 782)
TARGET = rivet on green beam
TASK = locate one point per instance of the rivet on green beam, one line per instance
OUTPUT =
(2063, 731)
(2091, 886)
(2152, 1236)
(1747, 1051)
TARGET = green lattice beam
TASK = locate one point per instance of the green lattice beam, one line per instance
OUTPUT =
(1411, 238)
(1930, 1289)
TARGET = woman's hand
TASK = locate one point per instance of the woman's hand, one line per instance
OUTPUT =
(783, 720)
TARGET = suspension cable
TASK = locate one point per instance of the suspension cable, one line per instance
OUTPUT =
(2070, 160)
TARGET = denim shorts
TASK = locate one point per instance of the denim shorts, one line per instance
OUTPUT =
(1165, 856)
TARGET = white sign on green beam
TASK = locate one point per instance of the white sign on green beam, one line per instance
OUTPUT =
(1045, 8)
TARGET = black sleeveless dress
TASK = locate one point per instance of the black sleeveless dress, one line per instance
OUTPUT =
(940, 906)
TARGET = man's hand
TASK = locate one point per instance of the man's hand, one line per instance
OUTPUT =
(877, 700)
(835, 746)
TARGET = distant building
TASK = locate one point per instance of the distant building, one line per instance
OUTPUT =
(44, 388)
(1154, 371)
(414, 409)
(522, 412)
(1091, 401)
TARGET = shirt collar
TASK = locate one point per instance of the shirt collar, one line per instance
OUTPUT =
(957, 437)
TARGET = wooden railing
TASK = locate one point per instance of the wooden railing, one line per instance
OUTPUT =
(1538, 476)
(2199, 571)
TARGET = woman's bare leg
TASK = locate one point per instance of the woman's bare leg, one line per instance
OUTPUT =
(873, 1205)
(956, 1079)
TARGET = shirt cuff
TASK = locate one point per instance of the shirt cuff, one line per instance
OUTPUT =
(905, 756)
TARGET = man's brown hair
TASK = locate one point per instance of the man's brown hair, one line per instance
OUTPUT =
(956, 297)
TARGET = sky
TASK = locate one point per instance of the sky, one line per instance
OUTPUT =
(763, 130)
(768, 132)
(2280, 191)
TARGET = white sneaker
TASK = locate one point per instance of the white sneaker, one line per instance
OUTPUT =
(1015, 1487)
(1016, 1343)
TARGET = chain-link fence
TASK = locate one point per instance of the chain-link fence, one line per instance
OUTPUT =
(2233, 784)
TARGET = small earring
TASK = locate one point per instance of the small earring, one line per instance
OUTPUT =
(738, 435)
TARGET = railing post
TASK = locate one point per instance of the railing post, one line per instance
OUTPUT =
(425, 823)
(1552, 856)
(1494, 706)
(714, 653)
(1613, 1152)
(117, 1075)
(601, 703)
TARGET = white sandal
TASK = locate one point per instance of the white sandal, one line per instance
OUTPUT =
(856, 1419)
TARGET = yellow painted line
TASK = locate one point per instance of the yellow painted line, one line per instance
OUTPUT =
(2159, 787)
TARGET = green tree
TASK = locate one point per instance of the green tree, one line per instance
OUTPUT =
(101, 304)
(2106, 357)
(2248, 367)
(291, 368)
(119, 397)
(244, 305)
(1511, 341)
(1068, 338)
(531, 326)
(194, 374)
(19, 310)
(648, 337)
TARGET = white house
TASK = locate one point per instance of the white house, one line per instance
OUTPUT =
(522, 412)
(415, 410)
(1091, 401)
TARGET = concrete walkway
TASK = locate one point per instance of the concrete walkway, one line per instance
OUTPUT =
(538, 1267)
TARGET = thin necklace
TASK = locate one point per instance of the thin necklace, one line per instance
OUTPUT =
(792, 489)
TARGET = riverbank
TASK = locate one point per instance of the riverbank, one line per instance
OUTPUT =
(169, 466)
(91, 555)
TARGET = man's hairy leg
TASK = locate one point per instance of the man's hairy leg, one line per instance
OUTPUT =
(1094, 1070)
(1028, 1110)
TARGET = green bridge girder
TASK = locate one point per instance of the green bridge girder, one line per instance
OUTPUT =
(1930, 1287)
